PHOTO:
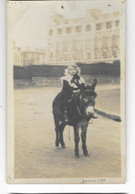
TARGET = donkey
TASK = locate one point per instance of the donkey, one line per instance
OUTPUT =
(80, 110)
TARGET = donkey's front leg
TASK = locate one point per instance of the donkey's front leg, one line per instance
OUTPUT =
(83, 137)
(76, 139)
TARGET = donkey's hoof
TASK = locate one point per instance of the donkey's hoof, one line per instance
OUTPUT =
(57, 145)
(77, 156)
(86, 154)
(63, 146)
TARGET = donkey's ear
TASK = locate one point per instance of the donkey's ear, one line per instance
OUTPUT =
(94, 83)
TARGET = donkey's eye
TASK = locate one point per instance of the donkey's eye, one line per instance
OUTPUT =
(85, 99)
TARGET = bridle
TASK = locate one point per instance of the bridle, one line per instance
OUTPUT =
(81, 99)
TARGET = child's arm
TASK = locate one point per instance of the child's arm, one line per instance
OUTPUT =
(78, 81)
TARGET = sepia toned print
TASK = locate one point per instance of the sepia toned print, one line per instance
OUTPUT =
(66, 92)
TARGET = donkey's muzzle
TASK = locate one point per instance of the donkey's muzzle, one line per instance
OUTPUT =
(89, 110)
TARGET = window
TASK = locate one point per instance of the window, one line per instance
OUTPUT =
(108, 25)
(99, 54)
(78, 28)
(95, 43)
(74, 56)
(115, 41)
(74, 44)
(99, 42)
(51, 32)
(104, 42)
(60, 31)
(69, 30)
(99, 26)
(88, 28)
(114, 53)
(109, 42)
(117, 23)
(88, 55)
(104, 54)
(64, 46)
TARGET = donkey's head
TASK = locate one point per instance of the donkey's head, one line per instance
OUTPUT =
(87, 98)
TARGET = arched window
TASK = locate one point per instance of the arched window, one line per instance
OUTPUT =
(69, 30)
(60, 31)
(78, 28)
(99, 26)
(108, 25)
(117, 23)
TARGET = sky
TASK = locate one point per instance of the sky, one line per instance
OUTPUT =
(28, 20)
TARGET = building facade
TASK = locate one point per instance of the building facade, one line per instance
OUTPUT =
(93, 38)
(27, 56)
(18, 56)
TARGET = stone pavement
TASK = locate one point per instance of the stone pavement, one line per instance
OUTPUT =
(108, 99)
(35, 152)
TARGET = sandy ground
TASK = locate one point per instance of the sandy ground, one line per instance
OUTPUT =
(35, 152)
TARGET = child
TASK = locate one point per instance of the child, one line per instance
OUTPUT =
(72, 82)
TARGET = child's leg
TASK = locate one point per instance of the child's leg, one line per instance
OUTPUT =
(65, 109)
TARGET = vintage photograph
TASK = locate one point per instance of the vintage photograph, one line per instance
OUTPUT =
(66, 91)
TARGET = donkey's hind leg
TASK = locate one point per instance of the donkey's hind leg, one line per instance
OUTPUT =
(56, 120)
(57, 137)
(62, 126)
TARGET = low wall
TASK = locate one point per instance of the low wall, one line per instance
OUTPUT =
(55, 81)
(48, 75)
(28, 72)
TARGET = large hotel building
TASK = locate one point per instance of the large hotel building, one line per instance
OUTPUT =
(90, 39)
